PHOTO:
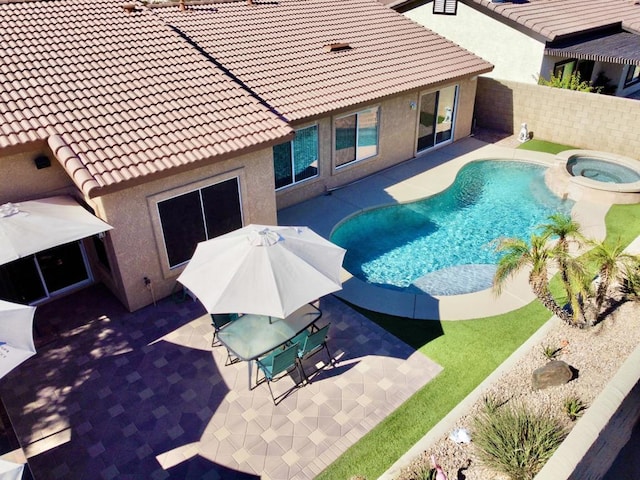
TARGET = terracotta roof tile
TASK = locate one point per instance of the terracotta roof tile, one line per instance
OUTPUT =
(104, 80)
(123, 95)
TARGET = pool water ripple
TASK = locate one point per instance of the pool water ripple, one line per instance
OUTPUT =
(445, 244)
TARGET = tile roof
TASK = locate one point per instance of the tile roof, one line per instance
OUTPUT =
(622, 47)
(277, 50)
(121, 95)
(117, 95)
(554, 19)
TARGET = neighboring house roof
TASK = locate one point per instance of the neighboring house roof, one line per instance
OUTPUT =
(623, 47)
(552, 19)
(119, 94)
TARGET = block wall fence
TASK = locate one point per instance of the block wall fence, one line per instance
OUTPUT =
(583, 120)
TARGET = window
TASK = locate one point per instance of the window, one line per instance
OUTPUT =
(296, 160)
(197, 216)
(563, 70)
(435, 123)
(633, 75)
(356, 136)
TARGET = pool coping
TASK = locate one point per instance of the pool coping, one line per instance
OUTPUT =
(412, 180)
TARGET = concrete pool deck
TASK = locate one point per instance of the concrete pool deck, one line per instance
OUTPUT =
(416, 179)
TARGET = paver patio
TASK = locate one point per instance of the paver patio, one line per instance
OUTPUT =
(115, 394)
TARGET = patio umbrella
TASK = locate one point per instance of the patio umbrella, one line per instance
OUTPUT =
(16, 335)
(10, 470)
(36, 225)
(265, 270)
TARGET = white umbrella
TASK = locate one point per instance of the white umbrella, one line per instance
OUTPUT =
(16, 335)
(10, 470)
(35, 225)
(266, 270)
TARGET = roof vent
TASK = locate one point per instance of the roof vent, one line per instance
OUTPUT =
(129, 7)
(337, 47)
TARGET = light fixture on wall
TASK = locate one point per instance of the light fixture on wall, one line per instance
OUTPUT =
(42, 161)
(413, 105)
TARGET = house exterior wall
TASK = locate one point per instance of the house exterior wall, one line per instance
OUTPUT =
(22, 181)
(584, 120)
(397, 141)
(516, 56)
(137, 236)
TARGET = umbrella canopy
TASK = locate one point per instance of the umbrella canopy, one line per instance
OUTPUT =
(10, 470)
(16, 335)
(35, 225)
(266, 270)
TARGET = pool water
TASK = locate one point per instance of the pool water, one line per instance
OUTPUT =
(445, 244)
(601, 170)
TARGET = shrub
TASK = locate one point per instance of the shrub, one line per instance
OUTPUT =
(427, 474)
(516, 441)
(571, 82)
(491, 403)
(574, 408)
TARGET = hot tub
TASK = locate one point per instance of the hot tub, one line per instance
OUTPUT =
(597, 176)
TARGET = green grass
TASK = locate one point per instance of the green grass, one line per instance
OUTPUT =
(544, 146)
(468, 352)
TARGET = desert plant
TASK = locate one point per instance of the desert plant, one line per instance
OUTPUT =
(516, 441)
(571, 82)
(550, 352)
(427, 473)
(574, 407)
(491, 403)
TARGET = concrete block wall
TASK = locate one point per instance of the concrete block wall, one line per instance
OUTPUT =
(583, 120)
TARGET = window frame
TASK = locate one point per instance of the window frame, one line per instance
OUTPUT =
(633, 76)
(293, 161)
(357, 158)
(156, 200)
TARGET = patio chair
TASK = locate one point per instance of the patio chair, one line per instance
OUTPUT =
(311, 343)
(218, 321)
(276, 364)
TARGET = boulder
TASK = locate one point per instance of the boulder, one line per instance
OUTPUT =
(553, 373)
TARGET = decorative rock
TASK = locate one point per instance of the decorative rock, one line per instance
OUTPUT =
(553, 373)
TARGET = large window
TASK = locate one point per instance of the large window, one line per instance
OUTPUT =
(356, 136)
(633, 75)
(435, 125)
(296, 160)
(197, 216)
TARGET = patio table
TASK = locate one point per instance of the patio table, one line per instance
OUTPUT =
(251, 336)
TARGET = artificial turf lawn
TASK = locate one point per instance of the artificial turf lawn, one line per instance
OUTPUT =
(544, 146)
(468, 351)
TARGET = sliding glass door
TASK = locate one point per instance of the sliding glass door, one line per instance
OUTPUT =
(435, 124)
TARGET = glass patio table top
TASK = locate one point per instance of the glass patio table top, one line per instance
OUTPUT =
(251, 336)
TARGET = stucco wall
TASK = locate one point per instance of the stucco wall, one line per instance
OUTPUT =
(397, 142)
(137, 236)
(516, 56)
(583, 120)
(21, 180)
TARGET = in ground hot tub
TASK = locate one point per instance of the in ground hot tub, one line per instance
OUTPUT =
(592, 175)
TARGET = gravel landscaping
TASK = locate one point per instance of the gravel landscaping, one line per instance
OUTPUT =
(596, 353)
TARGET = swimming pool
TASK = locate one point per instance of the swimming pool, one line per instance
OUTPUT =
(444, 244)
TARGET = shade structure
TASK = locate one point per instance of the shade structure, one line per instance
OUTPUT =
(266, 270)
(16, 335)
(35, 225)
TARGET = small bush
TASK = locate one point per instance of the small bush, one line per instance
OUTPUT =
(427, 474)
(515, 441)
(574, 408)
(491, 403)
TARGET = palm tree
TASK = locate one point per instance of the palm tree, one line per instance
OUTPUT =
(567, 229)
(519, 254)
(611, 262)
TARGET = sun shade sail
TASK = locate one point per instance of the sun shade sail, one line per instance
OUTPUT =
(35, 225)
